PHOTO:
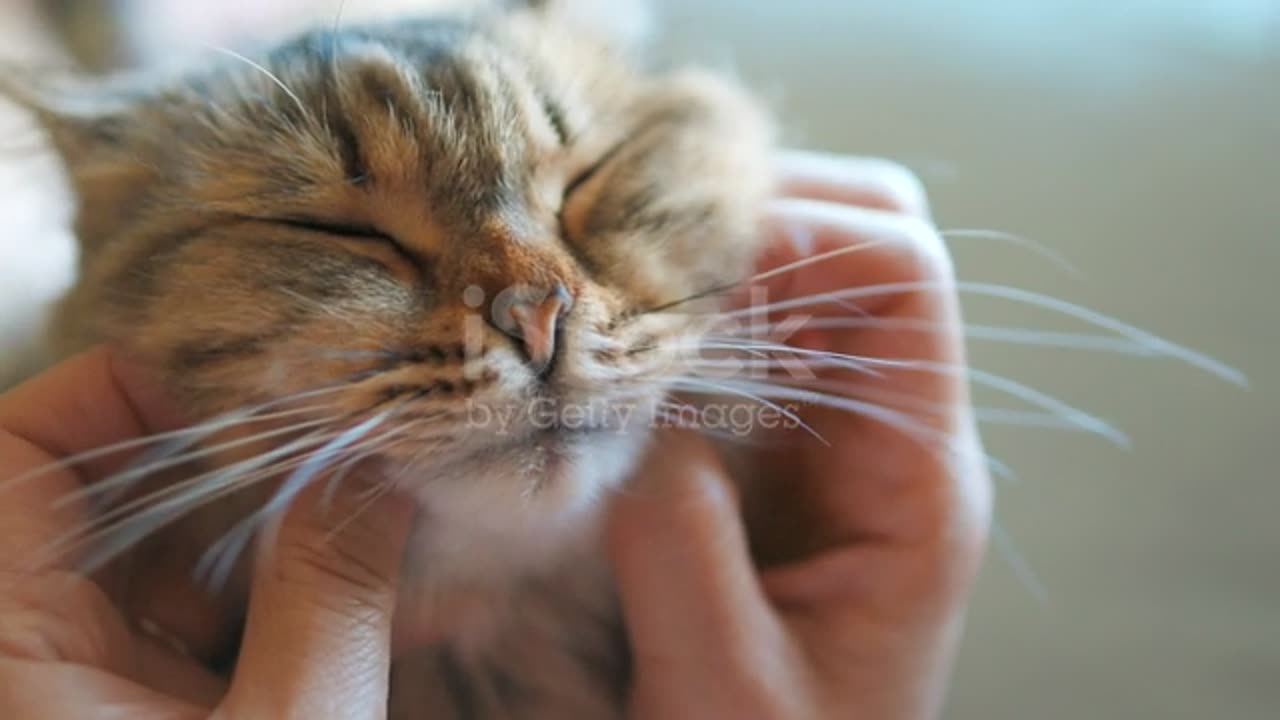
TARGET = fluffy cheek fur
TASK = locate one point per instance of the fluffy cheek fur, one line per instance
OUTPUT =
(242, 317)
(248, 314)
(677, 211)
(437, 137)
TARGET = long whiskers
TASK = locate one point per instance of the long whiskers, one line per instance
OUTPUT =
(950, 234)
(109, 541)
(970, 331)
(929, 438)
(1056, 258)
(914, 404)
(174, 441)
(1042, 400)
(761, 277)
(119, 483)
(700, 385)
(221, 556)
(1026, 297)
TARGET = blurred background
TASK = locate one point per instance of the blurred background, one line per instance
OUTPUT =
(1140, 140)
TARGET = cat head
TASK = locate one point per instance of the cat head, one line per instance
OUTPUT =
(447, 237)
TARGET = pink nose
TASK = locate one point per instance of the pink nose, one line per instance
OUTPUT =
(535, 323)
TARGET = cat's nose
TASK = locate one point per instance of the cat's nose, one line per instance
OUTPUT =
(535, 323)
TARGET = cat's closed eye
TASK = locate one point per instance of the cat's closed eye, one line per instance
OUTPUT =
(338, 228)
(579, 195)
(367, 240)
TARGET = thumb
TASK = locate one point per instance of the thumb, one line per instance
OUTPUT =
(696, 615)
(317, 641)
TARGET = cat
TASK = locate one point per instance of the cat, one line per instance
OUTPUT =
(406, 236)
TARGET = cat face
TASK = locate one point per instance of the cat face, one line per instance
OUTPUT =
(441, 236)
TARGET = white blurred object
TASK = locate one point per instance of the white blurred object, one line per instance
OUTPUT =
(159, 29)
(37, 251)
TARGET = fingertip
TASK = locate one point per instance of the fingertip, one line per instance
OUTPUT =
(679, 461)
(352, 538)
(695, 613)
(681, 482)
(863, 181)
(322, 605)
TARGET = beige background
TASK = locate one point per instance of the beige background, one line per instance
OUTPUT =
(1142, 141)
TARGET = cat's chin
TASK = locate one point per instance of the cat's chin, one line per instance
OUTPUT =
(519, 505)
(544, 474)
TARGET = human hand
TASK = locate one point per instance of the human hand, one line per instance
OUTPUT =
(869, 541)
(317, 641)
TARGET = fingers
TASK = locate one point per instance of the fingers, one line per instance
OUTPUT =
(87, 402)
(873, 258)
(44, 691)
(905, 467)
(697, 620)
(57, 622)
(916, 373)
(176, 674)
(863, 182)
(317, 642)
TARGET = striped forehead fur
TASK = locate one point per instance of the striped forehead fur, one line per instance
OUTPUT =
(306, 228)
(495, 149)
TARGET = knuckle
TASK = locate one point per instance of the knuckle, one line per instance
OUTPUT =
(926, 239)
(974, 503)
(956, 546)
(897, 188)
(928, 250)
(335, 571)
(970, 544)
(58, 618)
(702, 503)
(868, 182)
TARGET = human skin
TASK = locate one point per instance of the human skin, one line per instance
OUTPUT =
(861, 619)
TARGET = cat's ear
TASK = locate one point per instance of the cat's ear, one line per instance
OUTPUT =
(625, 24)
(98, 130)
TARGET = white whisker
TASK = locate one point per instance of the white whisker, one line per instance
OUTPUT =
(391, 438)
(917, 405)
(219, 559)
(1040, 249)
(1011, 387)
(762, 349)
(1022, 569)
(182, 438)
(1010, 335)
(814, 260)
(700, 385)
(270, 75)
(124, 480)
(1026, 297)
(905, 423)
(108, 542)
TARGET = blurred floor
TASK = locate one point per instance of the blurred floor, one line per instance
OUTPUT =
(1142, 141)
